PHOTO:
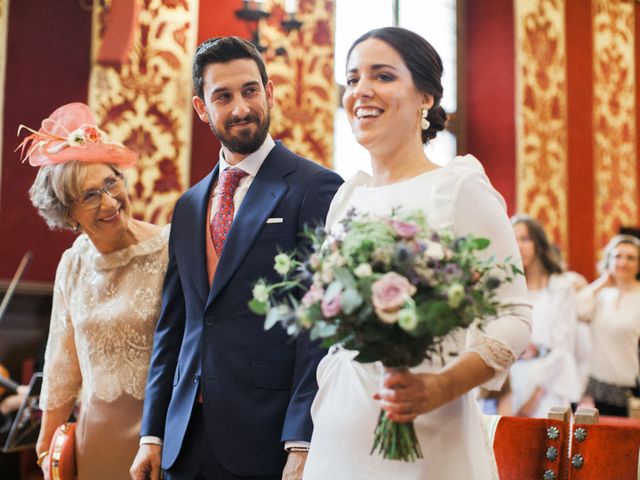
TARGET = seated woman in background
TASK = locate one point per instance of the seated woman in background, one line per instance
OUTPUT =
(611, 305)
(546, 375)
(106, 298)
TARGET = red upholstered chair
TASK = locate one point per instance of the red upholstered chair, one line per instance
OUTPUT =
(605, 450)
(531, 448)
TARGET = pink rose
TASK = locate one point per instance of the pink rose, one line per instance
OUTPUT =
(388, 295)
(313, 295)
(330, 308)
(405, 230)
(91, 133)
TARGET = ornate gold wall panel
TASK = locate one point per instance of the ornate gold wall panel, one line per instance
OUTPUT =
(146, 104)
(541, 114)
(614, 117)
(4, 28)
(305, 90)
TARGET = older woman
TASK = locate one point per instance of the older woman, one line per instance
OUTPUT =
(611, 305)
(106, 295)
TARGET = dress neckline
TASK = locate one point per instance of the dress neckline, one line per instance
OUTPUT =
(120, 258)
(366, 178)
(362, 179)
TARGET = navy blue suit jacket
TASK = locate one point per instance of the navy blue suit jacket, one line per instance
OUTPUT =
(257, 385)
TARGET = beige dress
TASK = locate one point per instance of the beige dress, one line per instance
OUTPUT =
(105, 308)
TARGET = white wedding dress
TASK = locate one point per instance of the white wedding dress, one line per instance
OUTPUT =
(452, 438)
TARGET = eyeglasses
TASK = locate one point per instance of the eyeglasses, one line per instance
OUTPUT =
(113, 186)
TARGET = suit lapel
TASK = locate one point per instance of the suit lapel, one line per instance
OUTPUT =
(197, 262)
(262, 198)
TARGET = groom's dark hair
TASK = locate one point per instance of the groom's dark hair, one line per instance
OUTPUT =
(222, 50)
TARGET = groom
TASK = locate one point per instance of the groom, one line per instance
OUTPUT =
(226, 399)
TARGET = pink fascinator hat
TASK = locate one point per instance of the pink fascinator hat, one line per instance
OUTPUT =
(71, 133)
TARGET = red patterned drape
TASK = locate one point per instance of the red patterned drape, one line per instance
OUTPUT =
(541, 114)
(146, 104)
(588, 111)
(305, 90)
(614, 118)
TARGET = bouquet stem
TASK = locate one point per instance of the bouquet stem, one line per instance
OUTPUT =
(396, 441)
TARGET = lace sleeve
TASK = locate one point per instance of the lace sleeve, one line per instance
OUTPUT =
(62, 377)
(494, 353)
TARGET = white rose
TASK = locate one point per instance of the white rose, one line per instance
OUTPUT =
(434, 250)
(455, 293)
(407, 319)
(363, 270)
(337, 260)
(261, 293)
(283, 264)
(326, 275)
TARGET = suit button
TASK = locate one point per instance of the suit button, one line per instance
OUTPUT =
(209, 321)
(196, 377)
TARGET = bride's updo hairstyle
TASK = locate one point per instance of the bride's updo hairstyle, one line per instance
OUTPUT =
(425, 66)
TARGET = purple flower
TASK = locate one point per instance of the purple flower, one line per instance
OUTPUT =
(452, 269)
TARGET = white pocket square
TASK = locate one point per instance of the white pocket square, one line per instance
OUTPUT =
(275, 220)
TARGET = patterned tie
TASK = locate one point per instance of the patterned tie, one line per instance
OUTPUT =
(221, 222)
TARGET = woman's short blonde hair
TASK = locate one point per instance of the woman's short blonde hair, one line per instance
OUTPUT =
(56, 188)
(611, 246)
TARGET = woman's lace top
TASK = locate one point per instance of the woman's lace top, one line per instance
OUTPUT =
(105, 309)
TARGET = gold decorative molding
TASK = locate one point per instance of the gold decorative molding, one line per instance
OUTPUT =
(541, 115)
(305, 89)
(146, 104)
(614, 118)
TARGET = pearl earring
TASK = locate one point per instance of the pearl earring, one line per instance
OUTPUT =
(424, 123)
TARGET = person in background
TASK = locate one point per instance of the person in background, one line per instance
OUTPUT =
(546, 375)
(611, 306)
(392, 101)
(583, 337)
(106, 297)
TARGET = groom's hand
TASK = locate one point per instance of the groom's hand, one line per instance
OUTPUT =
(295, 466)
(146, 465)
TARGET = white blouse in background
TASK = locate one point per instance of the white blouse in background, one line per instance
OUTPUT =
(614, 322)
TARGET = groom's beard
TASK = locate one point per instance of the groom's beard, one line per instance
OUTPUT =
(248, 139)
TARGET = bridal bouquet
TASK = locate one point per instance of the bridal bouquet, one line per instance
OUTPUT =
(389, 287)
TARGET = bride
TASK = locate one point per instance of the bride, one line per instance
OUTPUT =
(392, 101)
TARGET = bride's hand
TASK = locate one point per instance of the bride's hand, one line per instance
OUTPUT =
(405, 395)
